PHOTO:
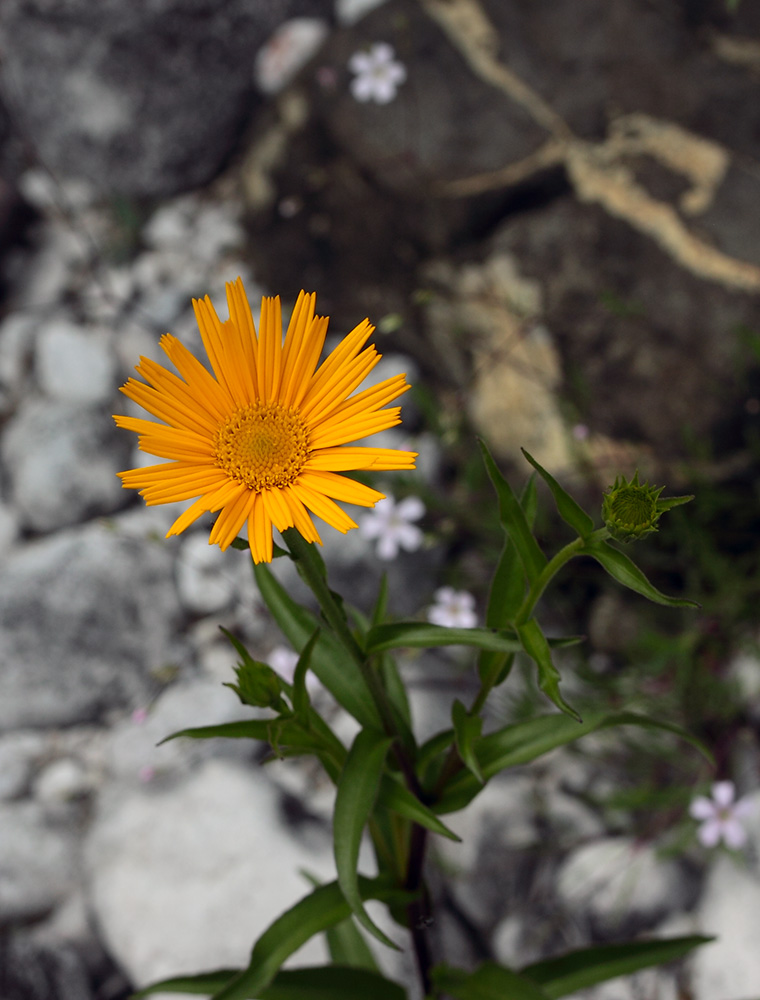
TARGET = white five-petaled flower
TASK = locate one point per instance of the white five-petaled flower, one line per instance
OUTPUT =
(391, 524)
(378, 74)
(453, 608)
(720, 816)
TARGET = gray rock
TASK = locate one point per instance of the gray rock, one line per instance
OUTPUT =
(185, 879)
(616, 881)
(144, 98)
(132, 752)
(84, 619)
(16, 343)
(462, 125)
(38, 863)
(728, 908)
(62, 461)
(19, 753)
(73, 364)
(629, 323)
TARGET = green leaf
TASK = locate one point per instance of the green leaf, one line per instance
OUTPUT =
(246, 729)
(301, 703)
(329, 660)
(397, 797)
(489, 982)
(380, 609)
(396, 689)
(536, 646)
(525, 741)
(204, 984)
(514, 520)
(332, 982)
(347, 946)
(588, 966)
(397, 635)
(506, 595)
(625, 571)
(324, 907)
(569, 510)
(467, 729)
(355, 798)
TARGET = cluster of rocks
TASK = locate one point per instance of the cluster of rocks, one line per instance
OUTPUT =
(121, 861)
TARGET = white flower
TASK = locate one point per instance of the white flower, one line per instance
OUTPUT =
(453, 608)
(378, 75)
(720, 817)
(390, 523)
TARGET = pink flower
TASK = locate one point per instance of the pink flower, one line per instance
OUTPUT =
(378, 75)
(453, 608)
(390, 523)
(720, 816)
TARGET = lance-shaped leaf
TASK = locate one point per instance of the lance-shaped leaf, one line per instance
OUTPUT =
(355, 798)
(488, 982)
(506, 594)
(347, 946)
(397, 635)
(324, 907)
(397, 797)
(332, 982)
(514, 520)
(569, 510)
(329, 660)
(536, 646)
(588, 966)
(202, 984)
(301, 702)
(625, 571)
(526, 741)
(467, 729)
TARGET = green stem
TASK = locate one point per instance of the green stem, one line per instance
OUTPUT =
(453, 764)
(311, 569)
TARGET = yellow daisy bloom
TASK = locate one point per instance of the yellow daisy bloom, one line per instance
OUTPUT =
(262, 440)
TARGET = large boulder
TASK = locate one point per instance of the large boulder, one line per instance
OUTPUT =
(86, 619)
(142, 98)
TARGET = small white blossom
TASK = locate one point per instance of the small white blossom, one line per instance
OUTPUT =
(720, 816)
(453, 608)
(391, 524)
(378, 74)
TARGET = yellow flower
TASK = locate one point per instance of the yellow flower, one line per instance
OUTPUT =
(262, 440)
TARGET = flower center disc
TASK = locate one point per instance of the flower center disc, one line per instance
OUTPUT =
(263, 445)
(634, 507)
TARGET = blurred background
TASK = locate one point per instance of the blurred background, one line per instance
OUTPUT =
(549, 209)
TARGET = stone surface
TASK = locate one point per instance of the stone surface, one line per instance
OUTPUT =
(19, 753)
(87, 108)
(38, 863)
(132, 752)
(62, 461)
(84, 619)
(728, 909)
(618, 882)
(631, 323)
(166, 901)
(74, 364)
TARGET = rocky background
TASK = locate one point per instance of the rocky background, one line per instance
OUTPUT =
(554, 226)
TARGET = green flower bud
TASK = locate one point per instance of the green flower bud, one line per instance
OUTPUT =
(632, 510)
(258, 685)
